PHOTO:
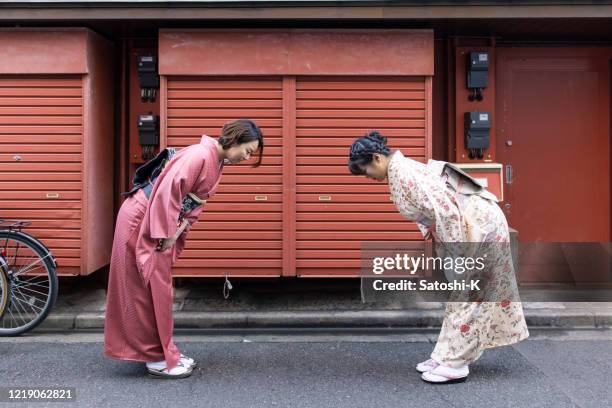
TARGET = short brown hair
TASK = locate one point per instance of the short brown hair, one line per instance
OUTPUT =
(241, 131)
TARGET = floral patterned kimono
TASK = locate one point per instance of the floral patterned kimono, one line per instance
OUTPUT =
(421, 195)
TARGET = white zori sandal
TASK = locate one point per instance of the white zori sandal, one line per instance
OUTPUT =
(183, 369)
(189, 361)
(427, 365)
(445, 375)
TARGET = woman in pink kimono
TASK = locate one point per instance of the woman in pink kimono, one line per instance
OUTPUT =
(451, 207)
(148, 240)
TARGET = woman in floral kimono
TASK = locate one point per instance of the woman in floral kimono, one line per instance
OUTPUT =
(148, 240)
(451, 207)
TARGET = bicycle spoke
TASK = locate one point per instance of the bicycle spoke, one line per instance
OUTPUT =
(17, 311)
(28, 284)
(22, 271)
(34, 301)
(12, 316)
(30, 281)
(24, 263)
(24, 315)
(31, 290)
(24, 300)
(25, 305)
(25, 267)
(34, 295)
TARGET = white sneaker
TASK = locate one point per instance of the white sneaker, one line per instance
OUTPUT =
(427, 365)
(159, 370)
(445, 375)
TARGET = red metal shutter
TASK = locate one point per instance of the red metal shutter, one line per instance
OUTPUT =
(336, 211)
(41, 149)
(239, 231)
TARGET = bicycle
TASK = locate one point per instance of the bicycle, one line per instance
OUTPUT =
(28, 279)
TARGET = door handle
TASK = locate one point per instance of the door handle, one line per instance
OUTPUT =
(508, 174)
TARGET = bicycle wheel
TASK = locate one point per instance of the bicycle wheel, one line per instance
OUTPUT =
(3, 286)
(32, 284)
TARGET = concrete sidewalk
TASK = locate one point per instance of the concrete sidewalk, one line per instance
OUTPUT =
(298, 303)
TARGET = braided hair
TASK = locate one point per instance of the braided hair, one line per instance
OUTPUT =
(363, 149)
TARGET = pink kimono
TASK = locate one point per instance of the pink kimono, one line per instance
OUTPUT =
(139, 322)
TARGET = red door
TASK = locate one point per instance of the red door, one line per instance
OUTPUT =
(554, 141)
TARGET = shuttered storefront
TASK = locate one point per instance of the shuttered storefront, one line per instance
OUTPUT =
(41, 158)
(242, 223)
(56, 142)
(337, 211)
(302, 213)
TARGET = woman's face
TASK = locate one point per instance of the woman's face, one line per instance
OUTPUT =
(377, 168)
(241, 152)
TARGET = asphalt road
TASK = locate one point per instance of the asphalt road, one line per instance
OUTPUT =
(553, 369)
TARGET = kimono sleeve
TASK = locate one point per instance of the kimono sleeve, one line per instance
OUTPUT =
(191, 217)
(166, 200)
(430, 199)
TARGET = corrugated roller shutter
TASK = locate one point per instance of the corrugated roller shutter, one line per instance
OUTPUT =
(239, 231)
(41, 146)
(336, 211)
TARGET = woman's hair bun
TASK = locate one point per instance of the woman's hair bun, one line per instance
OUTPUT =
(363, 149)
(375, 136)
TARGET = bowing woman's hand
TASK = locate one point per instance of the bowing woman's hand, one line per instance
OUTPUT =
(164, 244)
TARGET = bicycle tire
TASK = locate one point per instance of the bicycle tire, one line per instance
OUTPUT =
(41, 250)
(3, 288)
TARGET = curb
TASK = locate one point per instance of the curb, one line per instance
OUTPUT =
(426, 319)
